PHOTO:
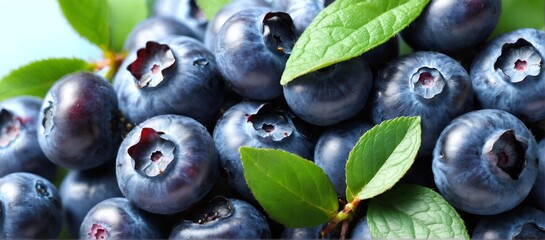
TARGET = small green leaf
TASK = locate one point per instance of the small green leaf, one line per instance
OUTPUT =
(124, 15)
(346, 29)
(37, 77)
(292, 190)
(381, 157)
(89, 18)
(411, 211)
(211, 7)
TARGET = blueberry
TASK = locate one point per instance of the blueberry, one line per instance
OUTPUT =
(185, 11)
(508, 75)
(427, 84)
(117, 218)
(520, 223)
(30, 206)
(166, 164)
(538, 191)
(228, 10)
(259, 125)
(175, 75)
(379, 56)
(222, 218)
(313, 232)
(302, 12)
(79, 124)
(485, 162)
(332, 94)
(19, 148)
(156, 28)
(451, 26)
(81, 190)
(252, 49)
(361, 230)
(332, 149)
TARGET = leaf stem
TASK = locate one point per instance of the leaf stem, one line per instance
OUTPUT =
(341, 217)
(110, 63)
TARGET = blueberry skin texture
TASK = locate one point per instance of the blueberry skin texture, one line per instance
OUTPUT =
(500, 82)
(538, 191)
(174, 75)
(19, 148)
(427, 84)
(228, 10)
(474, 172)
(451, 26)
(520, 223)
(361, 230)
(328, 96)
(31, 207)
(224, 218)
(156, 28)
(78, 124)
(333, 147)
(81, 190)
(252, 49)
(301, 11)
(259, 125)
(117, 218)
(166, 164)
(185, 11)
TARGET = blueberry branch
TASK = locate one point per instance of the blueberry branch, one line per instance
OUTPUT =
(343, 216)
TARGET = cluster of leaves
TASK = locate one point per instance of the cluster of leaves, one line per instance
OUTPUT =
(292, 190)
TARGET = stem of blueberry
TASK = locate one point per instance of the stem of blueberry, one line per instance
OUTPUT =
(341, 217)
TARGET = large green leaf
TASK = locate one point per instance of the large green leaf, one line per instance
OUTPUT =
(37, 77)
(211, 7)
(411, 211)
(105, 23)
(292, 190)
(124, 15)
(381, 157)
(89, 18)
(346, 29)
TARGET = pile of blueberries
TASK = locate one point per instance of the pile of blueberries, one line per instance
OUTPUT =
(155, 153)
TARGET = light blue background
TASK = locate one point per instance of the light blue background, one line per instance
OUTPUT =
(36, 29)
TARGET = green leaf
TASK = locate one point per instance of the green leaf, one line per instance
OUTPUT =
(346, 29)
(381, 157)
(411, 211)
(89, 18)
(124, 15)
(211, 7)
(292, 190)
(532, 10)
(37, 77)
(105, 23)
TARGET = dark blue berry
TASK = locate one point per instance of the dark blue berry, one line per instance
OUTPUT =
(79, 126)
(19, 148)
(156, 28)
(508, 75)
(252, 49)
(485, 162)
(520, 223)
(30, 207)
(166, 164)
(175, 75)
(258, 125)
(222, 218)
(426, 84)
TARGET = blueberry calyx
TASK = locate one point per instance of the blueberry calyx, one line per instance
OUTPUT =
(10, 127)
(153, 153)
(218, 208)
(271, 123)
(506, 154)
(530, 230)
(41, 189)
(518, 61)
(427, 82)
(153, 63)
(98, 232)
(278, 32)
